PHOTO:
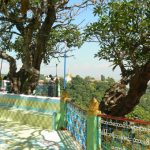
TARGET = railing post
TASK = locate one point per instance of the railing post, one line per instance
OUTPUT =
(92, 125)
(60, 118)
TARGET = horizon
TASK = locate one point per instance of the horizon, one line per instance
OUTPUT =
(79, 64)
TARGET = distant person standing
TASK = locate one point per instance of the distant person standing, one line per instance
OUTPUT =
(51, 87)
(57, 85)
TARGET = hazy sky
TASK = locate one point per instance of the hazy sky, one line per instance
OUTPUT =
(83, 63)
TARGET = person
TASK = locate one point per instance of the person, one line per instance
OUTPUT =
(57, 85)
(51, 87)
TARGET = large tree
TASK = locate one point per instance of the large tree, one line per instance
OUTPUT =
(35, 30)
(123, 33)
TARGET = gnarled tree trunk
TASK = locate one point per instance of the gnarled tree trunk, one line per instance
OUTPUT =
(23, 80)
(35, 36)
(119, 102)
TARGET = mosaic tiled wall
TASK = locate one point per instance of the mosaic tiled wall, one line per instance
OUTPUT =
(77, 124)
(37, 111)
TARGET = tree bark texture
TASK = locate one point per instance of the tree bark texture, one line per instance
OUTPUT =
(33, 51)
(118, 101)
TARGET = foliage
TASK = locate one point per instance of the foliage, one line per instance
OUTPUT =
(102, 78)
(81, 90)
(142, 110)
(145, 101)
(122, 31)
(36, 32)
(54, 49)
(139, 113)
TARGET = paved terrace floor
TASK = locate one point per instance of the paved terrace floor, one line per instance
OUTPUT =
(14, 136)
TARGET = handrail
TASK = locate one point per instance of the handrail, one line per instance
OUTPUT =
(75, 105)
(123, 119)
(113, 117)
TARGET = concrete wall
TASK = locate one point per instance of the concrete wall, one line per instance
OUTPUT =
(32, 110)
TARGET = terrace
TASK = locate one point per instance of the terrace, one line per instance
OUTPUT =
(42, 123)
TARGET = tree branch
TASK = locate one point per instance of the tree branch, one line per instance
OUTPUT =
(61, 4)
(146, 70)
(45, 28)
(11, 60)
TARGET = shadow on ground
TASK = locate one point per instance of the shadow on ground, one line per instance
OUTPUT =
(15, 136)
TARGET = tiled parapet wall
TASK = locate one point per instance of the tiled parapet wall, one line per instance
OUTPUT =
(77, 123)
(29, 102)
(34, 110)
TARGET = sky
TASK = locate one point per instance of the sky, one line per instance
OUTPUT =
(83, 62)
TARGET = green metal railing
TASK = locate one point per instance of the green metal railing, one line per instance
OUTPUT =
(93, 131)
(105, 132)
(117, 133)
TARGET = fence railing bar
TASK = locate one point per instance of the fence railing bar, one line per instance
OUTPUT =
(75, 105)
(123, 119)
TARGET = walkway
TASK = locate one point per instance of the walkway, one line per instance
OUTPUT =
(14, 136)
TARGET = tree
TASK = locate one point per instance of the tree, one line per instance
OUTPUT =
(35, 31)
(82, 90)
(122, 31)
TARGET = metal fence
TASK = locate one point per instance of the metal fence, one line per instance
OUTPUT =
(112, 133)
(77, 123)
(123, 134)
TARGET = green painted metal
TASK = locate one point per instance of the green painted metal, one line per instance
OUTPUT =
(56, 118)
(99, 132)
(62, 119)
(92, 136)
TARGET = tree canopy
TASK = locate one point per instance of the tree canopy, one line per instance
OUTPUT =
(122, 31)
(39, 30)
(82, 90)
(36, 31)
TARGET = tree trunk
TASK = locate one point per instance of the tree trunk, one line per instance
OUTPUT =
(119, 102)
(27, 81)
(33, 52)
